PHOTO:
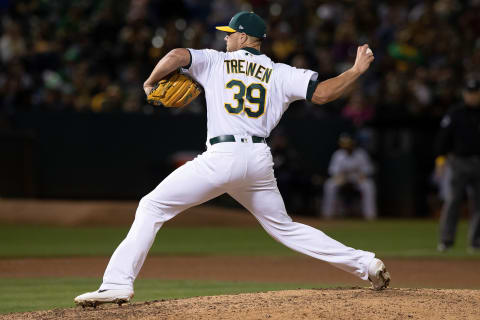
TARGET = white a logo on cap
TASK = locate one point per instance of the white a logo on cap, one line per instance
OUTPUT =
(240, 27)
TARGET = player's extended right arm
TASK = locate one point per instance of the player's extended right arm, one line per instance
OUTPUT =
(173, 60)
(333, 88)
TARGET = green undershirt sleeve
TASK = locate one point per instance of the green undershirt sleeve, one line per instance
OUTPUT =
(312, 85)
(190, 63)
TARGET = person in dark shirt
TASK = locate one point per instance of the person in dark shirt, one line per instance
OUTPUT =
(458, 146)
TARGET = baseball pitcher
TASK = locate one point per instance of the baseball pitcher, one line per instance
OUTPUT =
(247, 94)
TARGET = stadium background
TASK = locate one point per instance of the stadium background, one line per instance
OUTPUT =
(74, 122)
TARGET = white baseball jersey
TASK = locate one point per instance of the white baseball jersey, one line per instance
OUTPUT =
(246, 92)
(351, 164)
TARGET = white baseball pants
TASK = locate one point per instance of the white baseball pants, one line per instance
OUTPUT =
(368, 193)
(245, 171)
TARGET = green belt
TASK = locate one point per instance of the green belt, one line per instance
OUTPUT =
(231, 138)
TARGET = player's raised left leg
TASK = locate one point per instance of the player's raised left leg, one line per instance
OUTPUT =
(268, 207)
(263, 199)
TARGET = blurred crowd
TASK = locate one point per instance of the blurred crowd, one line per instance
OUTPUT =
(93, 56)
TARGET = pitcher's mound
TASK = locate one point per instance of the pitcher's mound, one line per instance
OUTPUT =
(352, 303)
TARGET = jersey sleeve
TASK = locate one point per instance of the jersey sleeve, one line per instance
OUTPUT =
(295, 81)
(201, 65)
(366, 165)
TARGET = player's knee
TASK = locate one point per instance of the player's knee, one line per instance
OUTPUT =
(330, 185)
(277, 224)
(152, 207)
(144, 202)
(148, 205)
(367, 185)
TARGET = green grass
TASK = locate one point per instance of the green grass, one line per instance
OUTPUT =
(19, 295)
(387, 238)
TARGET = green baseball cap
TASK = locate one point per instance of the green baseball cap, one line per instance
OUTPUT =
(247, 22)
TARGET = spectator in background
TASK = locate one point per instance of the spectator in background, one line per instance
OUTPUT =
(459, 138)
(359, 111)
(414, 75)
(350, 165)
(12, 43)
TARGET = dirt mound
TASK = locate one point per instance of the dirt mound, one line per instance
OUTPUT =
(354, 303)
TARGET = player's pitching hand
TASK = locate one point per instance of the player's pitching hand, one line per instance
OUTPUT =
(364, 58)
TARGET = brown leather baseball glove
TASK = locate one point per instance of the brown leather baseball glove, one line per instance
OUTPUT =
(176, 90)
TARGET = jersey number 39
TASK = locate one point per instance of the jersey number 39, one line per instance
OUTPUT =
(254, 93)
